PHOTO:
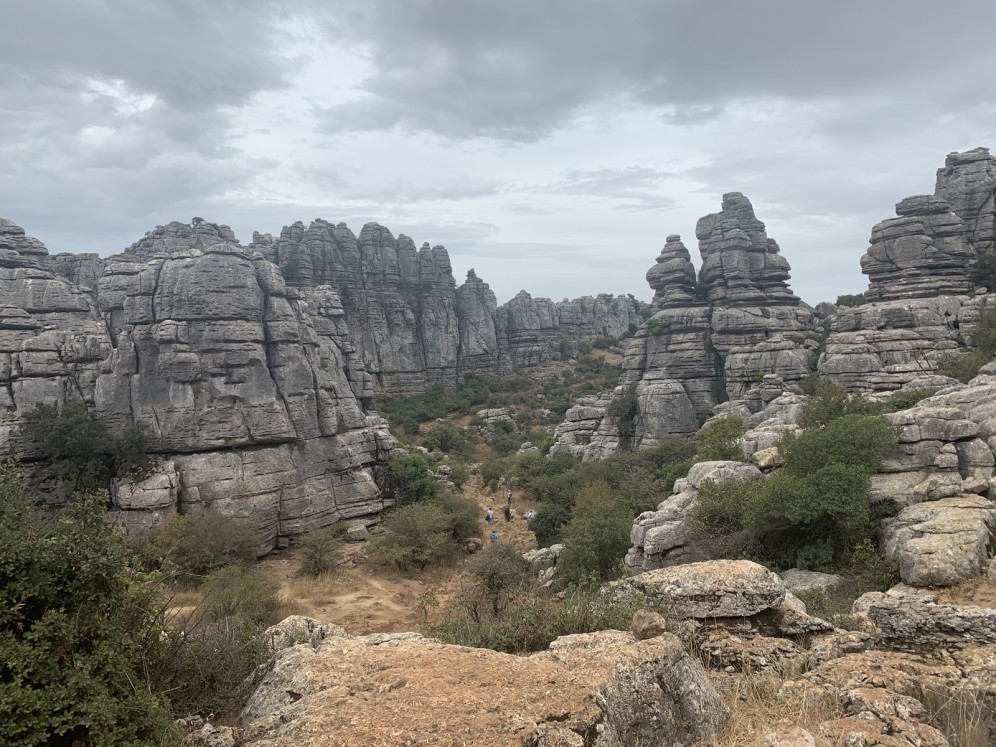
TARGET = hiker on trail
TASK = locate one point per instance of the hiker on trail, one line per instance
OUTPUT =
(509, 497)
(489, 516)
(530, 515)
(494, 536)
(508, 514)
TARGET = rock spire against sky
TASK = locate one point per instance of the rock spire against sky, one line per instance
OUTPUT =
(550, 145)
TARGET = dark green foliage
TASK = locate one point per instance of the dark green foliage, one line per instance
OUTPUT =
(80, 449)
(965, 366)
(831, 401)
(622, 411)
(194, 546)
(851, 300)
(859, 440)
(406, 479)
(598, 536)
(426, 533)
(548, 523)
(605, 342)
(319, 550)
(475, 393)
(655, 326)
(812, 513)
(905, 399)
(810, 521)
(530, 622)
(449, 439)
(984, 272)
(71, 627)
(719, 440)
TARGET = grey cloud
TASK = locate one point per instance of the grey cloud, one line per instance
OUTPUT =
(519, 69)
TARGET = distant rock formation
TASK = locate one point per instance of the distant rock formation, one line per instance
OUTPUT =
(414, 327)
(713, 337)
(920, 281)
(255, 400)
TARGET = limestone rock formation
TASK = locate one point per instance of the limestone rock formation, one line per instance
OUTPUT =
(605, 689)
(251, 391)
(482, 346)
(714, 338)
(968, 183)
(921, 254)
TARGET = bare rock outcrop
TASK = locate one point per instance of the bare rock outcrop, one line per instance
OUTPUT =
(967, 181)
(713, 337)
(253, 397)
(604, 689)
(921, 254)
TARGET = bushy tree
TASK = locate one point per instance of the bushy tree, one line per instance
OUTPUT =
(548, 524)
(71, 626)
(498, 575)
(406, 479)
(422, 534)
(598, 536)
(832, 401)
(720, 440)
(622, 411)
(192, 546)
(78, 448)
(449, 439)
(858, 440)
(319, 549)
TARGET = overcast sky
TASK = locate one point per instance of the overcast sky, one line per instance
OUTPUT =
(552, 145)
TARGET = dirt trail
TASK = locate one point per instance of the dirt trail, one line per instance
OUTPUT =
(367, 598)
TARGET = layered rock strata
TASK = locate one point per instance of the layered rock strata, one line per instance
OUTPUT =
(414, 327)
(253, 396)
(712, 337)
(920, 269)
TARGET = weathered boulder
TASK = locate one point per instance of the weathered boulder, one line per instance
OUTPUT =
(660, 537)
(605, 689)
(797, 580)
(967, 182)
(940, 543)
(715, 588)
(915, 622)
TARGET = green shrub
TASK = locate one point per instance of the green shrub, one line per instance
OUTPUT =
(241, 593)
(984, 272)
(530, 623)
(859, 440)
(720, 440)
(655, 326)
(498, 574)
(605, 342)
(831, 401)
(449, 439)
(71, 629)
(622, 411)
(79, 449)
(965, 366)
(851, 300)
(194, 546)
(318, 550)
(905, 399)
(406, 479)
(809, 522)
(206, 667)
(598, 536)
(426, 533)
(548, 524)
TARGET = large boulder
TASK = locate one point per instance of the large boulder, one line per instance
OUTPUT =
(940, 543)
(603, 689)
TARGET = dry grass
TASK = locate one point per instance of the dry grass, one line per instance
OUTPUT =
(966, 718)
(755, 709)
(980, 592)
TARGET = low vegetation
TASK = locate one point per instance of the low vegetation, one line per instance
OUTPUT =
(965, 366)
(80, 450)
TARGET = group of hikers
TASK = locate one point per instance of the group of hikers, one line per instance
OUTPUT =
(489, 516)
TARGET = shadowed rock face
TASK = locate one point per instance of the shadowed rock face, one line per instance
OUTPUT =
(715, 337)
(411, 323)
(251, 391)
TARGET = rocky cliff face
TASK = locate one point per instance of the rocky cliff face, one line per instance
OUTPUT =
(714, 336)
(256, 391)
(255, 399)
(414, 327)
(920, 281)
